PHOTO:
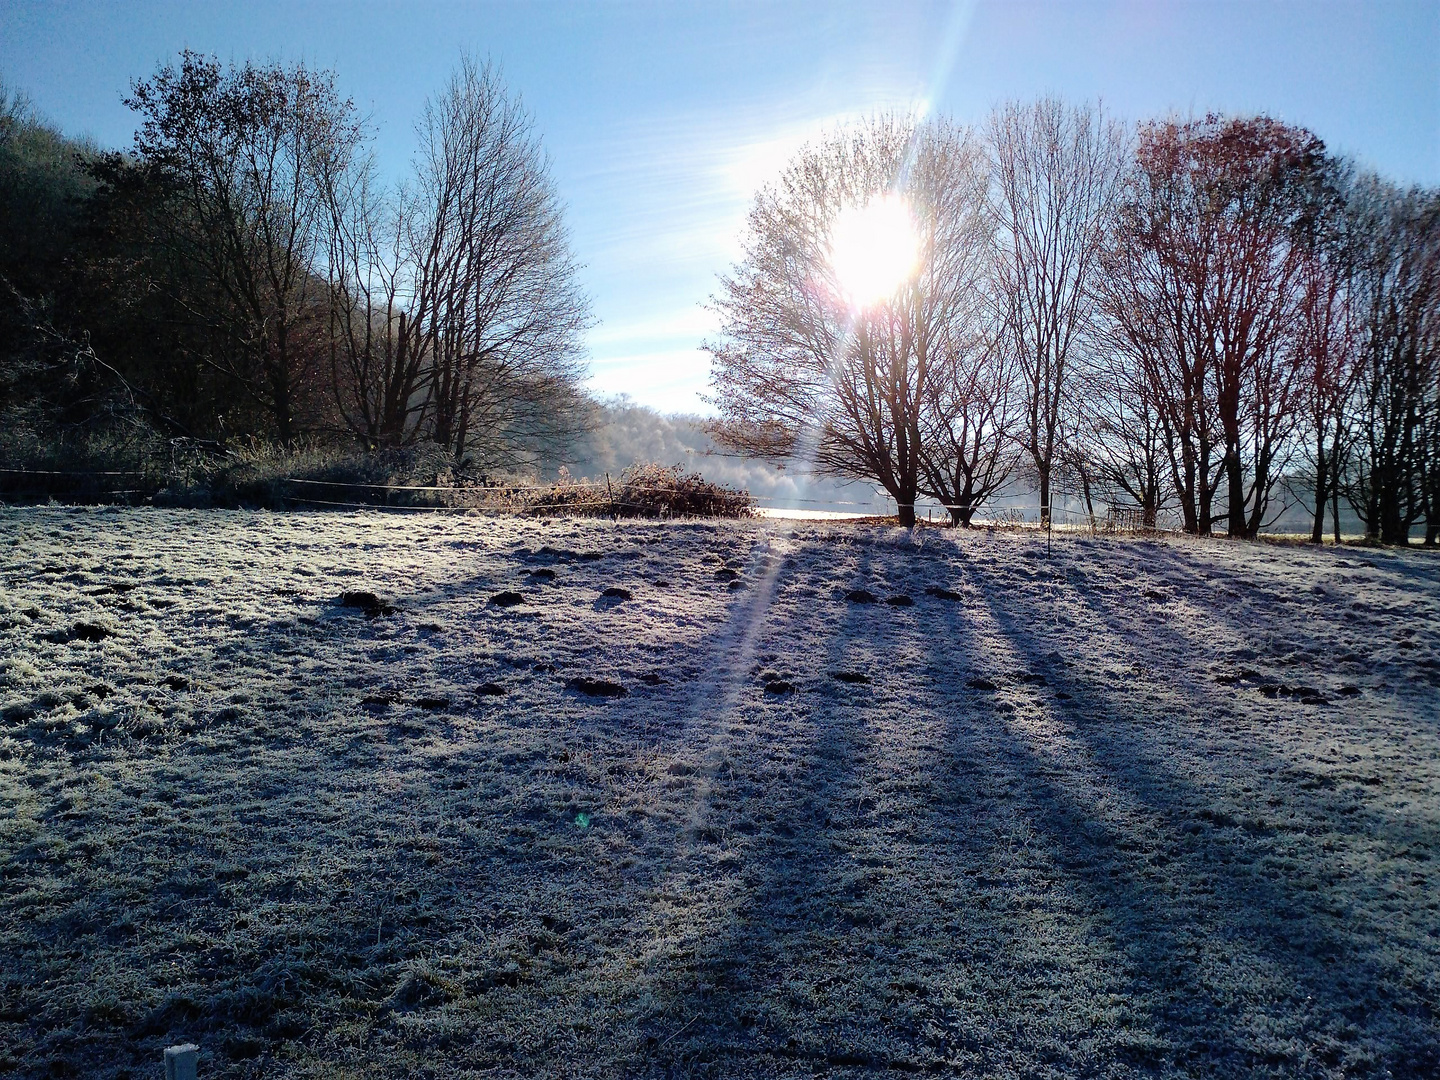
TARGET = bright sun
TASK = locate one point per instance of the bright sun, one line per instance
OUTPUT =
(874, 249)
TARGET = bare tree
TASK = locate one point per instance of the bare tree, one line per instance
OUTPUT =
(798, 369)
(1150, 299)
(1255, 186)
(244, 152)
(968, 450)
(455, 312)
(1327, 341)
(1397, 293)
(493, 304)
(1056, 173)
(1121, 446)
(378, 378)
(1201, 293)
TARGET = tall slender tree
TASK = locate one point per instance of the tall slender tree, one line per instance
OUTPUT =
(1056, 173)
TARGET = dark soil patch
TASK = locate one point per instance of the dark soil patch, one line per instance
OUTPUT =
(367, 602)
(490, 689)
(942, 593)
(81, 631)
(615, 592)
(726, 574)
(432, 704)
(980, 684)
(850, 676)
(507, 599)
(861, 596)
(900, 601)
(779, 686)
(118, 587)
(600, 688)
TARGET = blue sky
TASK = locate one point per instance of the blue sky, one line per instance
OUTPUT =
(661, 119)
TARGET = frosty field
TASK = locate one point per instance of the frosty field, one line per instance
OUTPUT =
(1141, 808)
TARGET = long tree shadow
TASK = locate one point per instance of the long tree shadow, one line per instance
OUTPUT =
(1234, 943)
(356, 877)
(838, 953)
(766, 990)
(704, 878)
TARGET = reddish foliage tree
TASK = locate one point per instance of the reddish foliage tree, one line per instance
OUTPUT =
(1205, 291)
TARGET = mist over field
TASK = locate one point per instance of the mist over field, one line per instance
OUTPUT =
(627, 433)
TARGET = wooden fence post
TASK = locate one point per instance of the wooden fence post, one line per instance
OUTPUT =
(181, 1061)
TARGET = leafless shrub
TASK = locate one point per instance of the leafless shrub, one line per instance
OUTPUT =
(643, 491)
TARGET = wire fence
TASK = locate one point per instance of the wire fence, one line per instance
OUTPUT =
(110, 485)
(600, 498)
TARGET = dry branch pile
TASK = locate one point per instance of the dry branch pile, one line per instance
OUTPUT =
(643, 491)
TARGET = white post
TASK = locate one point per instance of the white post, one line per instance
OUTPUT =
(180, 1062)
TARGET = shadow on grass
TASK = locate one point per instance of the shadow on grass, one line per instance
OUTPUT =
(702, 879)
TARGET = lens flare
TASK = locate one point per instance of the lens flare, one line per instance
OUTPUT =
(874, 249)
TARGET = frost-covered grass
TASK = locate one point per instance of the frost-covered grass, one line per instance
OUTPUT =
(1191, 831)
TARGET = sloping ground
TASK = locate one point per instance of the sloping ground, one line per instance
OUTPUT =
(1136, 809)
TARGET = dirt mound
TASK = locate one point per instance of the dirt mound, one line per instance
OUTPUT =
(597, 688)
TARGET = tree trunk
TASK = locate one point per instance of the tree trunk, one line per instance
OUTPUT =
(397, 392)
(1393, 530)
(280, 392)
(1044, 496)
(1322, 467)
(1235, 495)
(961, 515)
(1189, 498)
(1335, 506)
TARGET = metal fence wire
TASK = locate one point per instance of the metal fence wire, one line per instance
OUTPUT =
(596, 498)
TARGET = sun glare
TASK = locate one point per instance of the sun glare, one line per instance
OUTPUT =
(874, 249)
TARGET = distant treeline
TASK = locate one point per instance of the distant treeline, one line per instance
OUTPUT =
(240, 275)
(1200, 318)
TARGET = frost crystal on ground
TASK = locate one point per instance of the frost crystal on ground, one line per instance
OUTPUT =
(1137, 808)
